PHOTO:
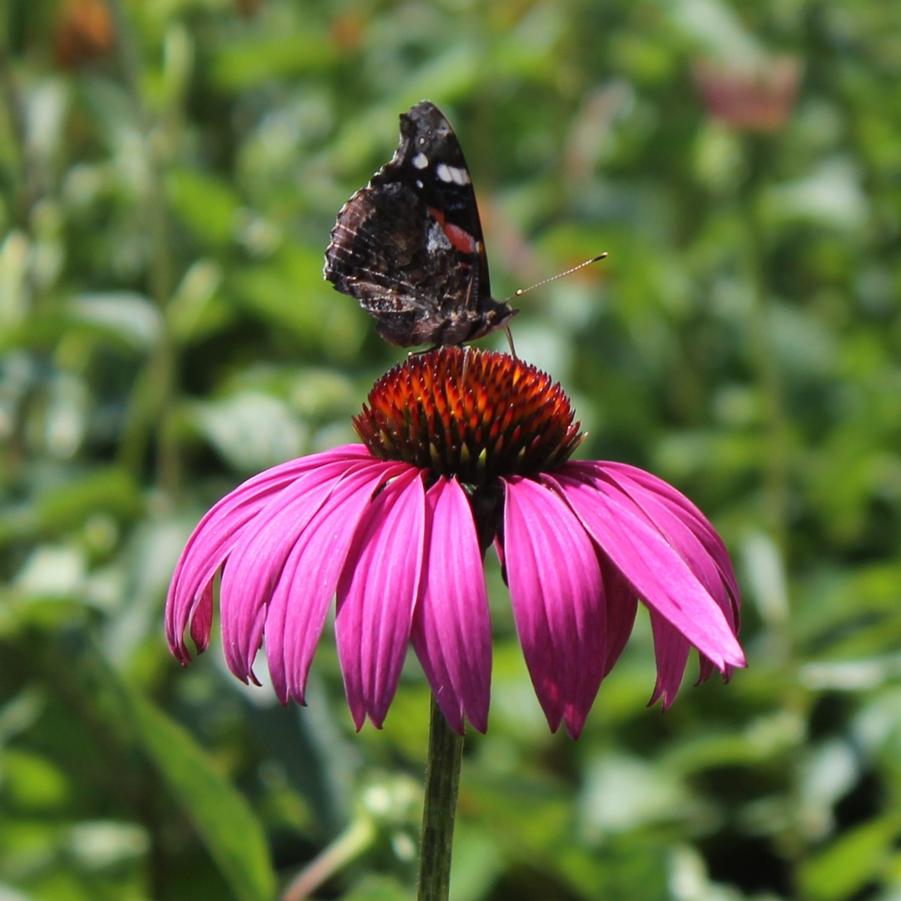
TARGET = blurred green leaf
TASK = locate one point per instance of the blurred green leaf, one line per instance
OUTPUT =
(251, 430)
(225, 822)
(111, 490)
(622, 794)
(246, 62)
(207, 205)
(375, 888)
(31, 783)
(477, 863)
(847, 864)
(131, 318)
(831, 195)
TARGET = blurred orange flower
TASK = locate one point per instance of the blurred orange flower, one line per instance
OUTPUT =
(83, 32)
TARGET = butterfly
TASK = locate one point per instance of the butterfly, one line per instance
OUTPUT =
(409, 245)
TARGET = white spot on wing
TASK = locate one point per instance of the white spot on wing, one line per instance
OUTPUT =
(419, 183)
(444, 173)
(460, 176)
(420, 161)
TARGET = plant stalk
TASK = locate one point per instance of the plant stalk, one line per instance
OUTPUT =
(440, 808)
(765, 357)
(349, 845)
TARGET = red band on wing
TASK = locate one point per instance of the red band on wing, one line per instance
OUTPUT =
(461, 239)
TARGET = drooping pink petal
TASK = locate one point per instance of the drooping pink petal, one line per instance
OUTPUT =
(671, 650)
(377, 591)
(651, 564)
(621, 604)
(686, 529)
(451, 627)
(206, 549)
(297, 610)
(652, 492)
(558, 600)
(202, 620)
(707, 669)
(254, 566)
(677, 528)
(189, 600)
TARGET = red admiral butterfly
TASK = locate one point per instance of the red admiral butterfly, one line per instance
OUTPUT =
(409, 245)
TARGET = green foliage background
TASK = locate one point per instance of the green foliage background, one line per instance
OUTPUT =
(165, 332)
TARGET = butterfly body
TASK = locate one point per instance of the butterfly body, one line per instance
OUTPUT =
(409, 245)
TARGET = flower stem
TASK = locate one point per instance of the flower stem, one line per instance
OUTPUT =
(346, 847)
(765, 357)
(439, 809)
(151, 408)
(28, 177)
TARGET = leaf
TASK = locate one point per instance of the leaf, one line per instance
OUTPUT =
(33, 783)
(377, 888)
(120, 315)
(227, 826)
(830, 196)
(243, 64)
(65, 506)
(13, 271)
(849, 863)
(206, 204)
(251, 429)
(622, 794)
(478, 863)
(312, 313)
(714, 27)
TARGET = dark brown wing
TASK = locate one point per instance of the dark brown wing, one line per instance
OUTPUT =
(430, 159)
(390, 253)
(409, 245)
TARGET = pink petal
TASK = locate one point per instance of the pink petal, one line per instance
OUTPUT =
(671, 650)
(649, 562)
(451, 626)
(676, 529)
(621, 604)
(189, 602)
(687, 529)
(649, 490)
(202, 620)
(308, 579)
(558, 601)
(255, 564)
(707, 669)
(377, 592)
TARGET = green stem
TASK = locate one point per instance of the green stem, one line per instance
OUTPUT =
(765, 358)
(28, 177)
(153, 400)
(439, 809)
(346, 847)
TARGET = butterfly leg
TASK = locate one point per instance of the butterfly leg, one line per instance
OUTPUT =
(427, 350)
(509, 335)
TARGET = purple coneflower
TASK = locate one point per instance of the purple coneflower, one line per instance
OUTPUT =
(461, 449)
(756, 97)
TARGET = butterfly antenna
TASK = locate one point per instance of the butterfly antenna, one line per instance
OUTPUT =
(520, 291)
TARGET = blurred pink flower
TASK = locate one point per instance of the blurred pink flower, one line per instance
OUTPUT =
(461, 449)
(752, 98)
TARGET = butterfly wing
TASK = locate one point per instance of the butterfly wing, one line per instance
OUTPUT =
(409, 245)
(429, 158)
